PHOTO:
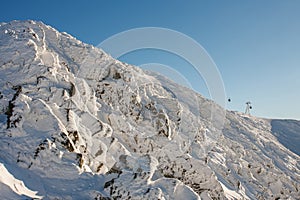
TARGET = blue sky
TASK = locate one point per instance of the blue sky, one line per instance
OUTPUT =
(255, 44)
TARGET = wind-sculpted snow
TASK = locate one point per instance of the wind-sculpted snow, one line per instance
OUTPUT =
(77, 124)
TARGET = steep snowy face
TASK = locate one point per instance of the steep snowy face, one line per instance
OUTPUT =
(69, 108)
(77, 124)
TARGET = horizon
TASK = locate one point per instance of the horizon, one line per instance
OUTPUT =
(255, 45)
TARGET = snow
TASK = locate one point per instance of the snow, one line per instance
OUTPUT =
(14, 184)
(86, 126)
(231, 194)
(286, 131)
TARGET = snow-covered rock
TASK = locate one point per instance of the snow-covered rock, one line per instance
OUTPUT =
(77, 124)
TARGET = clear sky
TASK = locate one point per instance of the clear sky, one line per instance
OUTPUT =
(255, 44)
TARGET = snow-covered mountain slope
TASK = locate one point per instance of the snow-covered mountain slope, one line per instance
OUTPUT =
(78, 124)
(15, 185)
(287, 133)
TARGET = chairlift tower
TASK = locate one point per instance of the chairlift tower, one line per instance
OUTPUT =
(248, 107)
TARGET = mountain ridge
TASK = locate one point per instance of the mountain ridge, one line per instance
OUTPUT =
(73, 114)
